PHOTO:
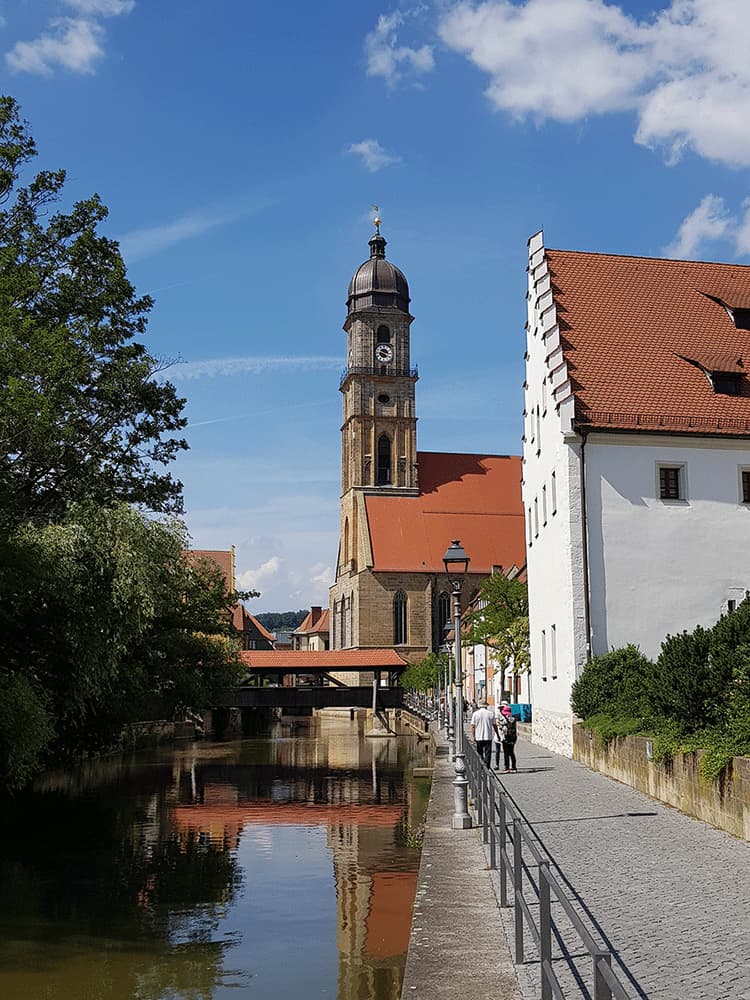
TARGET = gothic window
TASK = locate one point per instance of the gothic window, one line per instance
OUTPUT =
(383, 335)
(442, 617)
(342, 623)
(334, 625)
(384, 460)
(399, 618)
(346, 543)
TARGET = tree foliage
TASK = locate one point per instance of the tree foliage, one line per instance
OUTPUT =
(284, 621)
(614, 683)
(102, 621)
(500, 620)
(82, 416)
(426, 674)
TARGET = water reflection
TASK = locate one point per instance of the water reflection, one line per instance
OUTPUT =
(261, 868)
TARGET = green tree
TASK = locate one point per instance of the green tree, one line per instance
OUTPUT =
(426, 674)
(500, 620)
(614, 683)
(104, 622)
(82, 414)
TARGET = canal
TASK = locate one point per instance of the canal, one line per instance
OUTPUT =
(278, 867)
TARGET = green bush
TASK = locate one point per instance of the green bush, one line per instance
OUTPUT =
(608, 728)
(613, 684)
(681, 686)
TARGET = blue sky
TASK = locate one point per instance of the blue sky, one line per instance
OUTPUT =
(239, 147)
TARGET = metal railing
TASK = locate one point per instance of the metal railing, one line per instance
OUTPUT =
(511, 840)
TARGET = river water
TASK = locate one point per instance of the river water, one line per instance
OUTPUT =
(278, 867)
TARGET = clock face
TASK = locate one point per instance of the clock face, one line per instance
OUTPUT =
(384, 353)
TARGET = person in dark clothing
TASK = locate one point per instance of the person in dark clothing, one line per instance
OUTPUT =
(508, 737)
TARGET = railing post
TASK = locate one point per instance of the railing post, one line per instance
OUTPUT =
(545, 928)
(503, 845)
(493, 832)
(486, 782)
(518, 891)
(602, 990)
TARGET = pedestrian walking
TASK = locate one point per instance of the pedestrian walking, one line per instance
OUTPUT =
(496, 738)
(482, 728)
(508, 736)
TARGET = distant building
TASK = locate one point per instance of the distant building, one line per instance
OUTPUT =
(252, 634)
(636, 458)
(314, 632)
(401, 508)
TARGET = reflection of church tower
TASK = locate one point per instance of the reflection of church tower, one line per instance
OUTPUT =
(379, 429)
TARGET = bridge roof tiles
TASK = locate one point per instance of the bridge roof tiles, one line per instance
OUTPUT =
(308, 661)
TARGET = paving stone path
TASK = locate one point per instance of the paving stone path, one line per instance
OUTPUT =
(670, 894)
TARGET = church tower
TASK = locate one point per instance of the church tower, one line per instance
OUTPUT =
(379, 430)
(379, 427)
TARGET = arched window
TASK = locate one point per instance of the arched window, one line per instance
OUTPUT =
(334, 625)
(384, 460)
(383, 335)
(399, 618)
(442, 617)
(346, 543)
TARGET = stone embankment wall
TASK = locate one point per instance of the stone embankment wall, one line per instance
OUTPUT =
(725, 803)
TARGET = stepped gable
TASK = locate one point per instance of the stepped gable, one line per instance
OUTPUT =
(476, 498)
(644, 339)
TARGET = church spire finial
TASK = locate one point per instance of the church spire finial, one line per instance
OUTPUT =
(377, 242)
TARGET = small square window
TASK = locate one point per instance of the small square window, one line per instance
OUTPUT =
(745, 475)
(670, 487)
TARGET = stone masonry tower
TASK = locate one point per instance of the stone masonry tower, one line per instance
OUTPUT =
(379, 429)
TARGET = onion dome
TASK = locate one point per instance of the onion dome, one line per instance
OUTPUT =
(377, 282)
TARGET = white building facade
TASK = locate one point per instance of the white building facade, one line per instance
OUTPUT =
(636, 469)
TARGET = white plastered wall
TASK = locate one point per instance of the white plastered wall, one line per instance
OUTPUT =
(656, 566)
(551, 453)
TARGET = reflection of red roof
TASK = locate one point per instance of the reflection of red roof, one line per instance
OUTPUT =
(475, 498)
(306, 660)
(388, 922)
(628, 323)
(268, 813)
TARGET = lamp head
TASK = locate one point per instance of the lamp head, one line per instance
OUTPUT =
(456, 563)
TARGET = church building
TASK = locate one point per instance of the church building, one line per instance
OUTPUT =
(400, 508)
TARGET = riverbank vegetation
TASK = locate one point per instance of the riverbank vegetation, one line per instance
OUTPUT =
(102, 620)
(694, 696)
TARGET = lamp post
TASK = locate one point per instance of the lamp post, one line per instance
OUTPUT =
(450, 722)
(456, 564)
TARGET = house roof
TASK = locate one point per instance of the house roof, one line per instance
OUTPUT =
(639, 333)
(223, 558)
(476, 498)
(241, 618)
(321, 624)
(330, 659)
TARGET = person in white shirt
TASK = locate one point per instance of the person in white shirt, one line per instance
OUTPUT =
(482, 728)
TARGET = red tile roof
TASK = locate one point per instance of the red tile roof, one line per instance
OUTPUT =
(321, 624)
(631, 328)
(241, 619)
(223, 558)
(331, 659)
(475, 498)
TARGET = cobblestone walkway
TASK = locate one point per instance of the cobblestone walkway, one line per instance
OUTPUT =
(670, 894)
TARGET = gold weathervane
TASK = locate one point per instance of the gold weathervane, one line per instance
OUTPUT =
(376, 219)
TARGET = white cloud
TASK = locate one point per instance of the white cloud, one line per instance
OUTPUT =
(73, 44)
(684, 71)
(386, 58)
(247, 366)
(152, 239)
(105, 8)
(254, 579)
(709, 221)
(321, 575)
(742, 235)
(374, 157)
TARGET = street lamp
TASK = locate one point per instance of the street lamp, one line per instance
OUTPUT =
(456, 564)
(450, 703)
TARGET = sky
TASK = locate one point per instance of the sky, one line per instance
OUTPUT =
(240, 147)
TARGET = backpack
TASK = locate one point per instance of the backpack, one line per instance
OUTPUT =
(510, 734)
